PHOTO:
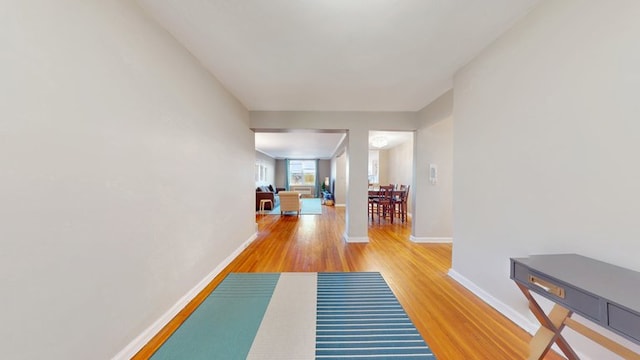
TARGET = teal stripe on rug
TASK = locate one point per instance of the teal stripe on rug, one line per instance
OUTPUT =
(225, 324)
(311, 206)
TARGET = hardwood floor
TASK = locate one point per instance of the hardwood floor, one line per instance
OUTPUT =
(455, 323)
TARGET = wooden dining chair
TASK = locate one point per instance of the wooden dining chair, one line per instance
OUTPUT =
(384, 203)
(397, 200)
(371, 196)
(400, 202)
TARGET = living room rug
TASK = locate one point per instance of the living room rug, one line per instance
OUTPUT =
(298, 316)
(312, 206)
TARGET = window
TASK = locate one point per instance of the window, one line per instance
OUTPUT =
(261, 172)
(374, 170)
(302, 172)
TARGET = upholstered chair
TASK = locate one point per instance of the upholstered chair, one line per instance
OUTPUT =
(290, 201)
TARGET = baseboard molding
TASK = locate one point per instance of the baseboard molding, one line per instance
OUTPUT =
(431, 240)
(506, 310)
(501, 307)
(134, 346)
(353, 239)
(340, 205)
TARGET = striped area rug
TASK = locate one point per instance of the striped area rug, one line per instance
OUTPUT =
(358, 316)
(298, 316)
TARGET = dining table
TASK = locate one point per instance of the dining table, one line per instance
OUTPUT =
(374, 193)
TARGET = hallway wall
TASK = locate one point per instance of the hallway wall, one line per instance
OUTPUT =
(546, 146)
(114, 145)
(433, 204)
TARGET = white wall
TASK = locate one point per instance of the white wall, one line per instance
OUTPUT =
(340, 185)
(433, 207)
(281, 173)
(546, 145)
(400, 163)
(383, 167)
(270, 164)
(114, 146)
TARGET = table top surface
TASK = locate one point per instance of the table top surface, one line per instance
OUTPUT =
(375, 192)
(613, 282)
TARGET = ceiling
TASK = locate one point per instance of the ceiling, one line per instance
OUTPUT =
(338, 55)
(315, 145)
(391, 138)
(298, 145)
(334, 55)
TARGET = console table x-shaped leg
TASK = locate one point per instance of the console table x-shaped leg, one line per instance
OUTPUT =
(552, 325)
(550, 330)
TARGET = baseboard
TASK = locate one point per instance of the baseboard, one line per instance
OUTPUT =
(353, 239)
(506, 310)
(431, 240)
(340, 205)
(501, 307)
(134, 346)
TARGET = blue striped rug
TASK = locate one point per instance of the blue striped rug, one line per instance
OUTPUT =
(298, 316)
(358, 316)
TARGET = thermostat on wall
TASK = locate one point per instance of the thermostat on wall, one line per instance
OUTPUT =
(433, 174)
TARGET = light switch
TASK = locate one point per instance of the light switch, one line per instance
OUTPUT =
(433, 174)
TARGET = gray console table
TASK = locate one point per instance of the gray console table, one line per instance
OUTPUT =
(606, 294)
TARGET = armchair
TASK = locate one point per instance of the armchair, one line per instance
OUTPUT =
(290, 201)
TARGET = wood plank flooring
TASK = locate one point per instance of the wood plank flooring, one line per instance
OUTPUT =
(455, 323)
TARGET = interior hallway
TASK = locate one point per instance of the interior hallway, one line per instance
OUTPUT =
(455, 324)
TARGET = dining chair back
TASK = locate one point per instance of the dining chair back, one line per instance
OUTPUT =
(384, 202)
(401, 202)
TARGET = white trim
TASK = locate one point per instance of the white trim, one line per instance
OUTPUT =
(501, 307)
(340, 205)
(353, 239)
(431, 240)
(304, 190)
(141, 340)
(506, 310)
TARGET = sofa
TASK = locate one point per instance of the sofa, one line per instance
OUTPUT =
(268, 192)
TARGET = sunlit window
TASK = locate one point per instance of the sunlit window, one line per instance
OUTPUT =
(374, 170)
(302, 172)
